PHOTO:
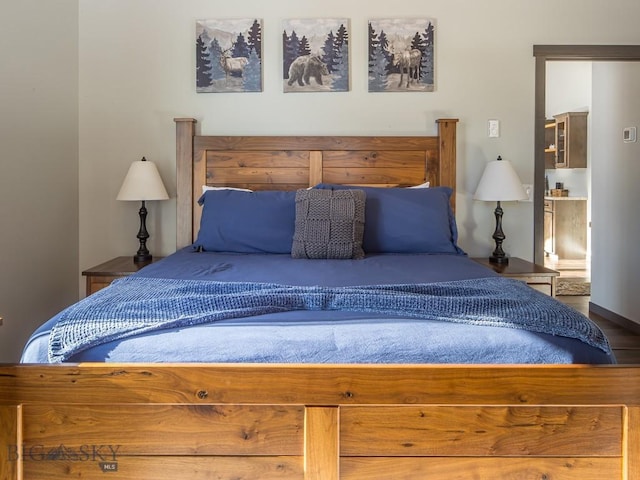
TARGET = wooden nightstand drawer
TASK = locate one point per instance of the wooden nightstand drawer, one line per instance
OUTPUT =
(536, 276)
(102, 275)
(545, 286)
(98, 283)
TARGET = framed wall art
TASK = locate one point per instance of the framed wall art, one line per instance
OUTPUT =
(229, 55)
(315, 55)
(401, 55)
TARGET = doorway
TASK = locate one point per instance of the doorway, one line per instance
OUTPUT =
(568, 158)
(544, 54)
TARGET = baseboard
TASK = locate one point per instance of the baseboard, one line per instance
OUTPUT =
(614, 318)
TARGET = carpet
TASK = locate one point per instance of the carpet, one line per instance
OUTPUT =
(573, 286)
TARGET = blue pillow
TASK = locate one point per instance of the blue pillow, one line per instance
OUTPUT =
(407, 220)
(247, 222)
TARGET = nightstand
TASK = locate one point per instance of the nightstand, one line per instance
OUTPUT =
(102, 275)
(536, 276)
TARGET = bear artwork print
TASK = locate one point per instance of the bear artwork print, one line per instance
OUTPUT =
(315, 55)
(306, 66)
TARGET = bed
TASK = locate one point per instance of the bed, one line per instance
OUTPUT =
(322, 417)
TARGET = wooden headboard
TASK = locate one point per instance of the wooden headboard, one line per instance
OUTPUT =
(290, 163)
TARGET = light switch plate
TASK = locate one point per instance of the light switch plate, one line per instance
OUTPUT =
(529, 189)
(494, 128)
(629, 134)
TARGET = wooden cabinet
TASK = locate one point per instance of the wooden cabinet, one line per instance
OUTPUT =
(550, 144)
(566, 141)
(102, 275)
(549, 247)
(536, 276)
(565, 227)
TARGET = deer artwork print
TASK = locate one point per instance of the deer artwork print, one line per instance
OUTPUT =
(228, 55)
(232, 65)
(402, 55)
(409, 61)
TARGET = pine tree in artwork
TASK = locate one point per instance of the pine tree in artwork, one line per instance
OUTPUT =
(384, 47)
(378, 70)
(341, 71)
(342, 36)
(340, 50)
(303, 47)
(373, 41)
(240, 47)
(428, 66)
(254, 38)
(290, 46)
(329, 53)
(203, 66)
(252, 75)
(215, 59)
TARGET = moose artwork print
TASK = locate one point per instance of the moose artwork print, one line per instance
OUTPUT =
(315, 55)
(229, 55)
(401, 55)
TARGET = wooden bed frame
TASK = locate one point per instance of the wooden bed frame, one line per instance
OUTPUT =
(320, 422)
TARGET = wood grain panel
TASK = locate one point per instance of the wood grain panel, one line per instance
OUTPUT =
(253, 159)
(315, 168)
(199, 179)
(304, 384)
(321, 443)
(377, 158)
(170, 429)
(322, 143)
(374, 176)
(447, 154)
(632, 442)
(270, 176)
(169, 468)
(264, 186)
(474, 468)
(11, 442)
(444, 431)
(185, 130)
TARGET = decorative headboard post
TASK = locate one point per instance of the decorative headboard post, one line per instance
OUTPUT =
(447, 136)
(185, 131)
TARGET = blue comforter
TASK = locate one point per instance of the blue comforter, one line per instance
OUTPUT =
(131, 307)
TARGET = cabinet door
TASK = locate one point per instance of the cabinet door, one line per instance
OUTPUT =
(571, 140)
(561, 142)
(549, 247)
(570, 229)
(550, 144)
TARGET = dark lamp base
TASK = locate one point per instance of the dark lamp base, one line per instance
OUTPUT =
(499, 260)
(142, 258)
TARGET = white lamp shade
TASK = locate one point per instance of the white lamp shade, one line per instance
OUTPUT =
(142, 182)
(499, 183)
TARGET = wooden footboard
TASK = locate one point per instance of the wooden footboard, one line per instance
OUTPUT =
(319, 422)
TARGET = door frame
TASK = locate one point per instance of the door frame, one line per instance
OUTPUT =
(543, 54)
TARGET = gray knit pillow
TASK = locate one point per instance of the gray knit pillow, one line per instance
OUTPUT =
(329, 224)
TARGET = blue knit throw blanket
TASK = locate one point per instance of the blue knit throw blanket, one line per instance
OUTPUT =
(135, 305)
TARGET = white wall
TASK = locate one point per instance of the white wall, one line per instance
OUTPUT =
(38, 165)
(137, 73)
(615, 268)
(568, 87)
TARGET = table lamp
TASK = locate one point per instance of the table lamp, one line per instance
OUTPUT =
(499, 183)
(142, 183)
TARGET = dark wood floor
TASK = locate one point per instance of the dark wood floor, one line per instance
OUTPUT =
(625, 344)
